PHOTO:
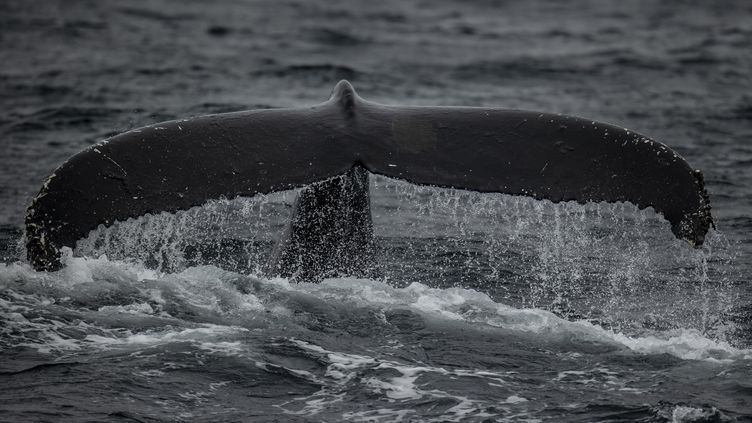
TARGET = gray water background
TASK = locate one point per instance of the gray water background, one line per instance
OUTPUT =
(74, 73)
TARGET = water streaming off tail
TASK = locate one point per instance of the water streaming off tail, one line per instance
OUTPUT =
(233, 234)
(611, 263)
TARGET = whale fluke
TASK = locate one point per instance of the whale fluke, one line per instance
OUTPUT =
(183, 163)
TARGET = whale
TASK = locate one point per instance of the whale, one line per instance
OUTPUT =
(329, 149)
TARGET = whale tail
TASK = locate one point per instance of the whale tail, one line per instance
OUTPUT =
(330, 233)
(180, 164)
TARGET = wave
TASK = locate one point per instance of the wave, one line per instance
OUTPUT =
(609, 263)
(342, 350)
(98, 303)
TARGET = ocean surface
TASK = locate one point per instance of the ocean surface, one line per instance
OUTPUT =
(488, 307)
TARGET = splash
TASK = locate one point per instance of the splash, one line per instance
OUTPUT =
(346, 349)
(236, 234)
(101, 292)
(612, 264)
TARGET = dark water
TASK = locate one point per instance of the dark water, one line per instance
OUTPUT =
(490, 308)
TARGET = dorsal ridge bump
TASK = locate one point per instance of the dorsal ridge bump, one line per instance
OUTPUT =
(344, 96)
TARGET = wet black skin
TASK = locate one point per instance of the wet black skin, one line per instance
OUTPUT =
(180, 164)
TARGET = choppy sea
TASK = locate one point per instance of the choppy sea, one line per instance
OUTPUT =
(487, 307)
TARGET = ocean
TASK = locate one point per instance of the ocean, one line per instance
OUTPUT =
(486, 307)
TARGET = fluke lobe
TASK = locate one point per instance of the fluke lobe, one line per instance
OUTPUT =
(181, 164)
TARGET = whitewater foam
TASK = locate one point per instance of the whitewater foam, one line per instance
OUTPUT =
(345, 369)
(478, 308)
(126, 288)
